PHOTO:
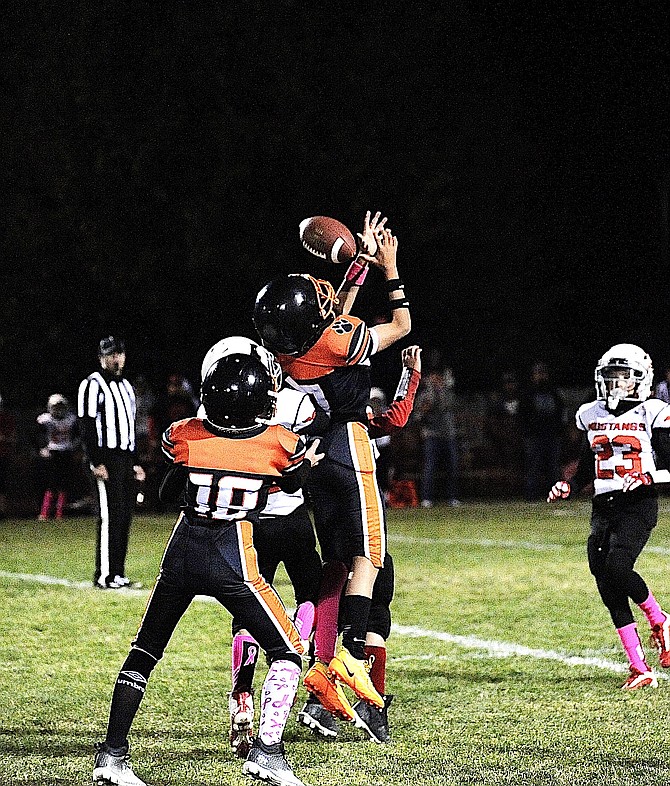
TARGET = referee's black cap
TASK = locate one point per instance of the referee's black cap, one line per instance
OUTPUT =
(110, 345)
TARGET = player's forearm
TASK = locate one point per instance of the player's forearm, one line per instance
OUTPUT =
(172, 484)
(297, 478)
(398, 302)
(397, 415)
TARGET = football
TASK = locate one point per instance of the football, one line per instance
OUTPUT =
(328, 238)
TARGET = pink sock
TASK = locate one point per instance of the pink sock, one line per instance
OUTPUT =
(244, 656)
(328, 609)
(304, 619)
(46, 503)
(60, 504)
(633, 646)
(652, 611)
(279, 690)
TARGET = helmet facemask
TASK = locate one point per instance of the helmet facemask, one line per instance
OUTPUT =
(627, 377)
(325, 293)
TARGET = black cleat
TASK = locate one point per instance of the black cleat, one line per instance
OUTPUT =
(317, 718)
(373, 721)
(268, 763)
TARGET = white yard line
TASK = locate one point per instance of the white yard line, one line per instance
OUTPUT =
(506, 649)
(490, 647)
(527, 545)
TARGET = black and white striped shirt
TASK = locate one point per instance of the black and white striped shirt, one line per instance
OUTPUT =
(106, 408)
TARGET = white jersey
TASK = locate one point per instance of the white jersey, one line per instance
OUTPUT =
(294, 411)
(60, 432)
(622, 443)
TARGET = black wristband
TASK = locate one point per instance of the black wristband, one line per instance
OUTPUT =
(394, 283)
(399, 302)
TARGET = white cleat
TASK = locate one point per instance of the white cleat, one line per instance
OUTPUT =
(110, 768)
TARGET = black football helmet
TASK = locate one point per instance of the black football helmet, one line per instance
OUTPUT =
(238, 392)
(292, 312)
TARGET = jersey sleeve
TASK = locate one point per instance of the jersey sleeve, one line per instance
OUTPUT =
(87, 410)
(579, 422)
(660, 414)
(174, 442)
(349, 343)
(168, 445)
(361, 346)
(295, 447)
(397, 415)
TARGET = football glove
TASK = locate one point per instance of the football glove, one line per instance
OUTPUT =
(560, 490)
(633, 480)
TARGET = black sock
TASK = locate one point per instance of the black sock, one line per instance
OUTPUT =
(128, 692)
(245, 676)
(354, 612)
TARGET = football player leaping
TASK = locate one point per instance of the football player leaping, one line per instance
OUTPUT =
(626, 452)
(328, 356)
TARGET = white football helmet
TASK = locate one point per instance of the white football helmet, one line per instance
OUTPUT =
(624, 373)
(241, 345)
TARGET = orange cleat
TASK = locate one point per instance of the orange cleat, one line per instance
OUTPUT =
(354, 673)
(329, 692)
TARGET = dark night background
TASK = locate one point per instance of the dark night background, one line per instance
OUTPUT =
(158, 158)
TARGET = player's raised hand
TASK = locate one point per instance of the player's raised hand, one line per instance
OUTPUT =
(634, 479)
(411, 357)
(560, 490)
(372, 228)
(386, 251)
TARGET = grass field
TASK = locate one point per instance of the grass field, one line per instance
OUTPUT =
(503, 662)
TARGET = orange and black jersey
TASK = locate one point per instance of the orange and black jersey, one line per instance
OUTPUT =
(336, 370)
(227, 478)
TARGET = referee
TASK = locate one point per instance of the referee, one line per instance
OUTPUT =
(106, 409)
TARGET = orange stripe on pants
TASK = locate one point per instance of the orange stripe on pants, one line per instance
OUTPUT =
(373, 512)
(264, 591)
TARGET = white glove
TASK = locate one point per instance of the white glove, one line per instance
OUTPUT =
(560, 490)
(633, 480)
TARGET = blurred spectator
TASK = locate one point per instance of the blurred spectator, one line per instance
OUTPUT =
(541, 411)
(435, 410)
(503, 426)
(145, 399)
(662, 389)
(174, 402)
(58, 437)
(7, 447)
